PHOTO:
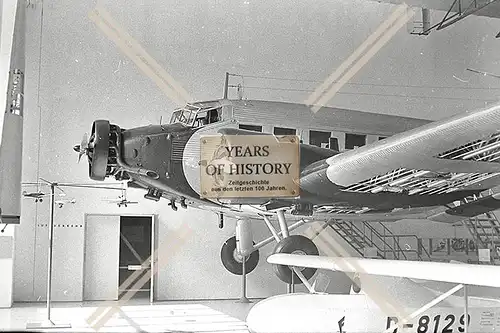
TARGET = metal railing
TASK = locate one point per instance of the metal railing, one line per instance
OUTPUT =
(385, 242)
(485, 230)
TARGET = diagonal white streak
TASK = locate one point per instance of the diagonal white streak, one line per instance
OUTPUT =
(136, 53)
(356, 54)
(131, 248)
(425, 307)
(331, 247)
(363, 60)
(101, 315)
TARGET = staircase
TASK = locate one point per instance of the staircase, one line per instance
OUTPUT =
(375, 240)
(485, 230)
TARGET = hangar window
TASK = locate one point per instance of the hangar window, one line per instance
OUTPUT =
(255, 128)
(354, 140)
(284, 131)
(319, 138)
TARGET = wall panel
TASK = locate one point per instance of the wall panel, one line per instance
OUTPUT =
(101, 258)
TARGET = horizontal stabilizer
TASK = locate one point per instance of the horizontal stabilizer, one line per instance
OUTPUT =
(481, 275)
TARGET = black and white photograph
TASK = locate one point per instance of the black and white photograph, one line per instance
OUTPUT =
(250, 166)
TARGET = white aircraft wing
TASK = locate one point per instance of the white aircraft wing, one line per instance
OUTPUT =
(492, 9)
(480, 275)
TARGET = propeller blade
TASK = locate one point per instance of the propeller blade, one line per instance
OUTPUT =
(85, 141)
(83, 147)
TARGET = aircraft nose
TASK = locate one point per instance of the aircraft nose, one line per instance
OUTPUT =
(96, 149)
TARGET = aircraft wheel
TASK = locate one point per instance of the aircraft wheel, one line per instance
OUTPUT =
(356, 284)
(233, 262)
(296, 244)
(100, 138)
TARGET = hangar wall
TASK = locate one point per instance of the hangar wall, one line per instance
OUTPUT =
(193, 271)
(76, 75)
(196, 272)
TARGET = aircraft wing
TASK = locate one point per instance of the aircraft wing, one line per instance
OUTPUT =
(460, 153)
(481, 275)
(491, 10)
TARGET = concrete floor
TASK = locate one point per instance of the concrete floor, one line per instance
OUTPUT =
(133, 316)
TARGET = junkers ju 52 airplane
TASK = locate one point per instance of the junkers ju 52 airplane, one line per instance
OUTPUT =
(353, 166)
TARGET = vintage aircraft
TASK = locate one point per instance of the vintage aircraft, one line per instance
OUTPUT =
(38, 196)
(391, 301)
(353, 166)
(61, 203)
(456, 10)
(121, 201)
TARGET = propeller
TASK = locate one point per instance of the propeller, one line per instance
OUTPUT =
(83, 147)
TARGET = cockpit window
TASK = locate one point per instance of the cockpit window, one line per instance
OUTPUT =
(195, 116)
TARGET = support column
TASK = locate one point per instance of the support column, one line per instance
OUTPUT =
(244, 247)
(466, 310)
(48, 323)
(243, 298)
(226, 85)
(282, 221)
(291, 286)
(51, 246)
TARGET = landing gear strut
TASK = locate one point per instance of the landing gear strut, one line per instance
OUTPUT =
(296, 244)
(232, 257)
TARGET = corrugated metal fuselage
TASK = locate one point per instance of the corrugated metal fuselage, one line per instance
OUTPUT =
(173, 152)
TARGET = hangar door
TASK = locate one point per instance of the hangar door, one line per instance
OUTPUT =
(118, 257)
